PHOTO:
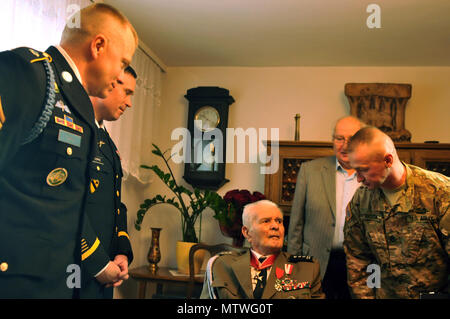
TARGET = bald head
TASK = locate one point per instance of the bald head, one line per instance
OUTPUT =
(377, 142)
(349, 123)
(372, 154)
(95, 19)
(344, 129)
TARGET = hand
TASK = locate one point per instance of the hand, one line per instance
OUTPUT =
(122, 262)
(110, 275)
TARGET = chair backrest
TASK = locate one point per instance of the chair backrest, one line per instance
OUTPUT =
(213, 250)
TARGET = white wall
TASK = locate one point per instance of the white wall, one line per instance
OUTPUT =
(267, 98)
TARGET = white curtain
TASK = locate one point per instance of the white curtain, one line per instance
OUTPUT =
(35, 23)
(132, 133)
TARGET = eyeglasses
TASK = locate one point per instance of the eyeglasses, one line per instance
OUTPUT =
(341, 139)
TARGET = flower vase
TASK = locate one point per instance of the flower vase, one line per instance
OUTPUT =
(154, 253)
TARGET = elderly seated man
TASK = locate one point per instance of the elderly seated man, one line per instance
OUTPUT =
(263, 271)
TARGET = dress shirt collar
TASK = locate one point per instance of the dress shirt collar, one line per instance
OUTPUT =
(339, 168)
(258, 255)
(99, 125)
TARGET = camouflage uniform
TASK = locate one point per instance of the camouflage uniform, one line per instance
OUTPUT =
(409, 241)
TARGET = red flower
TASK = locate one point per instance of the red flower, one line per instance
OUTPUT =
(230, 221)
(237, 199)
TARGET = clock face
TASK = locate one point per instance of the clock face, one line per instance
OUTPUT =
(209, 118)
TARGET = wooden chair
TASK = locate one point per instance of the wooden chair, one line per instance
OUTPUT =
(213, 250)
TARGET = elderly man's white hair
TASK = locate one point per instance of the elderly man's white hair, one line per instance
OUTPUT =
(249, 209)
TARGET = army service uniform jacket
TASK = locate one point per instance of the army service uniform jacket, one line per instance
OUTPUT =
(108, 216)
(43, 173)
(231, 277)
(409, 242)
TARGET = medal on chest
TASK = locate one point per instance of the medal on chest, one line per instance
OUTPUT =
(286, 283)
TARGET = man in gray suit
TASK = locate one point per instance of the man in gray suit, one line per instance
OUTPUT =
(324, 188)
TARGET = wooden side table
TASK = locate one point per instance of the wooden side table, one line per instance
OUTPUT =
(162, 276)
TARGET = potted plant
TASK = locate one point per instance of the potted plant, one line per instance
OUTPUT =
(229, 212)
(190, 204)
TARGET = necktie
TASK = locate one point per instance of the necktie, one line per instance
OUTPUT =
(259, 288)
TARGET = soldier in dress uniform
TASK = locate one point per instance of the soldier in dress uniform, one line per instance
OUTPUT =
(399, 221)
(108, 216)
(264, 271)
(47, 140)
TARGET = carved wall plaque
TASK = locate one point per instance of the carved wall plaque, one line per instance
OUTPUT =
(381, 105)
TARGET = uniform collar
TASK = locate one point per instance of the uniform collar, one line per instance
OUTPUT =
(70, 62)
(267, 262)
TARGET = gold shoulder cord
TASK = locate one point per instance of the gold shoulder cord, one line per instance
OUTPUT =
(46, 56)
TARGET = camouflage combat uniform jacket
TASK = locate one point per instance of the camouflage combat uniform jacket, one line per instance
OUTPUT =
(409, 242)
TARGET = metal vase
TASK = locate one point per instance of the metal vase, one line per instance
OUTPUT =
(154, 253)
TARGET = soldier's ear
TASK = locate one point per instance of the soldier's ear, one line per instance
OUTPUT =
(98, 45)
(388, 160)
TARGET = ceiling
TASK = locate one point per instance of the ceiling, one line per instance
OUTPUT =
(292, 32)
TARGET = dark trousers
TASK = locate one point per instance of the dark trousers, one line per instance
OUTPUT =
(334, 283)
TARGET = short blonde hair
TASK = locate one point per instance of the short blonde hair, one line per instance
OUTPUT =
(92, 22)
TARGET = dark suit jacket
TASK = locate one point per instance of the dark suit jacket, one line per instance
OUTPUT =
(107, 215)
(313, 215)
(232, 278)
(40, 223)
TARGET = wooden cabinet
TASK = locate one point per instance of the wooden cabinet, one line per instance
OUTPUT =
(280, 186)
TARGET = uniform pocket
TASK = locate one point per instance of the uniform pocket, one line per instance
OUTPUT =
(100, 180)
(65, 167)
(376, 238)
(62, 142)
(411, 242)
(302, 293)
(224, 289)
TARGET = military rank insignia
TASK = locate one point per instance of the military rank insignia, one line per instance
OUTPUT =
(94, 185)
(36, 54)
(296, 259)
(57, 176)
